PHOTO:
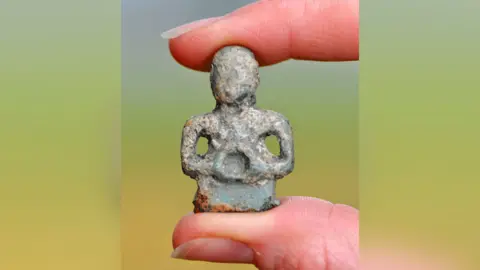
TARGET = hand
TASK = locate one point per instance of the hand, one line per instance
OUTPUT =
(276, 30)
(302, 233)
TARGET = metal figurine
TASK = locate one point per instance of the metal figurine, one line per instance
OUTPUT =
(237, 173)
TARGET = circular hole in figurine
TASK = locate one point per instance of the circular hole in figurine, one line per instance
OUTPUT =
(273, 145)
(202, 146)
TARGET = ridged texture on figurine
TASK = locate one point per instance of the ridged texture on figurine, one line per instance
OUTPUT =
(237, 173)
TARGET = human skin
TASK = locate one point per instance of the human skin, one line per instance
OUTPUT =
(301, 233)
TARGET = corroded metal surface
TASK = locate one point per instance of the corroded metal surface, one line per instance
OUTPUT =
(237, 173)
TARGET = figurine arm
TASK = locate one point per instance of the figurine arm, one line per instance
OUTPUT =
(192, 163)
(282, 130)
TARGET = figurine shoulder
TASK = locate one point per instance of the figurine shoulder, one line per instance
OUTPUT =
(202, 120)
(275, 117)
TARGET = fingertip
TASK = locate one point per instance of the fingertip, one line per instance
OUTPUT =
(276, 31)
(241, 227)
(184, 55)
(214, 250)
(263, 27)
(196, 49)
(184, 228)
(250, 227)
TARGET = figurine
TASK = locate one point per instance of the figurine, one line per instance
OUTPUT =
(237, 173)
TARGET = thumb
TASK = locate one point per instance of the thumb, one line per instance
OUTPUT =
(302, 233)
(275, 30)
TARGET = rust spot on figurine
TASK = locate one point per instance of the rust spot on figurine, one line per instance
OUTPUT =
(237, 173)
(201, 203)
(188, 123)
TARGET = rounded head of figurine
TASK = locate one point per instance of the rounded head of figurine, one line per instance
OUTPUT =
(234, 76)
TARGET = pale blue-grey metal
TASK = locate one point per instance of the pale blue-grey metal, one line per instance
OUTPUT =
(237, 173)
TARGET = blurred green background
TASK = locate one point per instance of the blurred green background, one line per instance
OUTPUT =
(159, 95)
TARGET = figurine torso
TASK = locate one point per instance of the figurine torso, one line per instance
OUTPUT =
(237, 141)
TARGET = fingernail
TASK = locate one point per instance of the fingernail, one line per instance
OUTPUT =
(182, 29)
(214, 250)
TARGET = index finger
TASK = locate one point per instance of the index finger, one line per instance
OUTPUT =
(276, 30)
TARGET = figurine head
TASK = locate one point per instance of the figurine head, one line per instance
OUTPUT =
(234, 76)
